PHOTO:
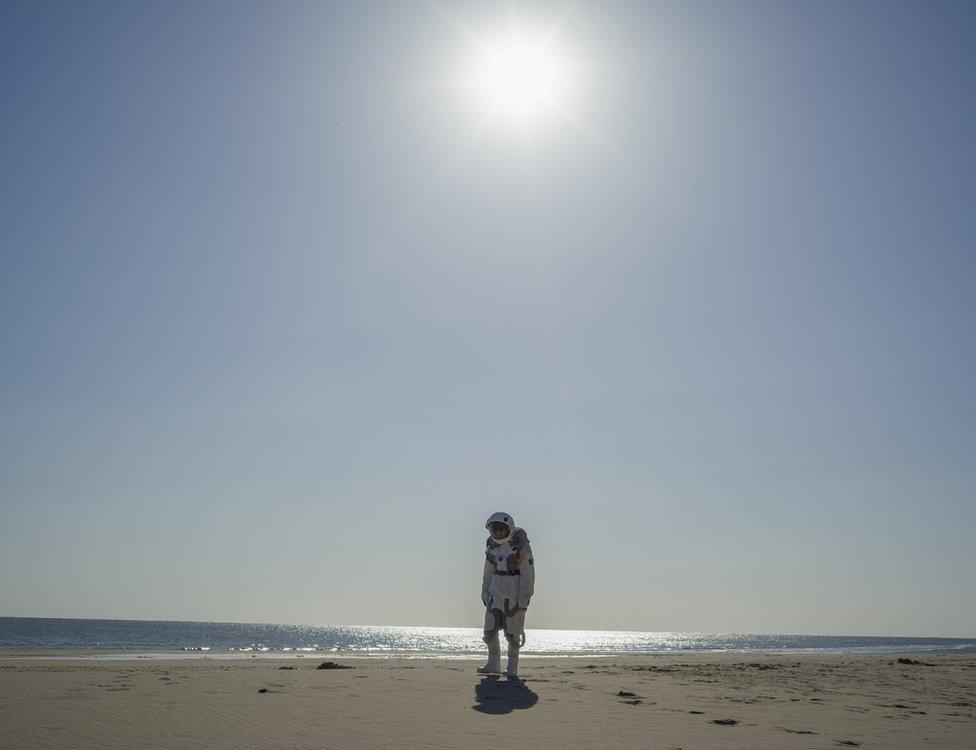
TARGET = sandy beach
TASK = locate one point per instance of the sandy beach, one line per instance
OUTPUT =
(658, 701)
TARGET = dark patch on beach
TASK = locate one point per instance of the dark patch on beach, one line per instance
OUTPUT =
(632, 702)
(626, 694)
(333, 665)
(725, 722)
(287, 667)
(263, 690)
(798, 731)
(916, 663)
(849, 743)
(696, 712)
(496, 696)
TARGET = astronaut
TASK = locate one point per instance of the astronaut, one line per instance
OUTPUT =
(506, 588)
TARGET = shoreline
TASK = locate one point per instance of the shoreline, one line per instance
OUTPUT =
(195, 654)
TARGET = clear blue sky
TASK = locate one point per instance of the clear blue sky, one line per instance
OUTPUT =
(279, 327)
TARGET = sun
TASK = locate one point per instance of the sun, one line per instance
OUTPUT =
(519, 78)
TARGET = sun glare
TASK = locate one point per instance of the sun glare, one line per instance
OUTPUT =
(519, 79)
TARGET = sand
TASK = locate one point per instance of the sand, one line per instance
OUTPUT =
(670, 701)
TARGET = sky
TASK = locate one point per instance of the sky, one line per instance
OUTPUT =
(284, 315)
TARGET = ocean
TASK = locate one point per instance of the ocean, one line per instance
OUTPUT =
(163, 638)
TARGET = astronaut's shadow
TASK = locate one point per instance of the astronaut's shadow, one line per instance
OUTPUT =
(497, 696)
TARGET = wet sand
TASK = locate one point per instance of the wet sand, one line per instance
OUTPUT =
(656, 701)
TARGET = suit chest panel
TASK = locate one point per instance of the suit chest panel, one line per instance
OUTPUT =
(504, 558)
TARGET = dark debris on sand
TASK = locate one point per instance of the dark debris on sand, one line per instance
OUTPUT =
(725, 722)
(333, 665)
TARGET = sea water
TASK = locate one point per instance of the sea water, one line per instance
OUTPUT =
(253, 639)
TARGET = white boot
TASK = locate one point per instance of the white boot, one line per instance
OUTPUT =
(512, 670)
(494, 665)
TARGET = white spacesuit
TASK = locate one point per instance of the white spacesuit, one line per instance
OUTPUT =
(506, 588)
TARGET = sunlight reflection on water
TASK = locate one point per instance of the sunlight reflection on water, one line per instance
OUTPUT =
(210, 639)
